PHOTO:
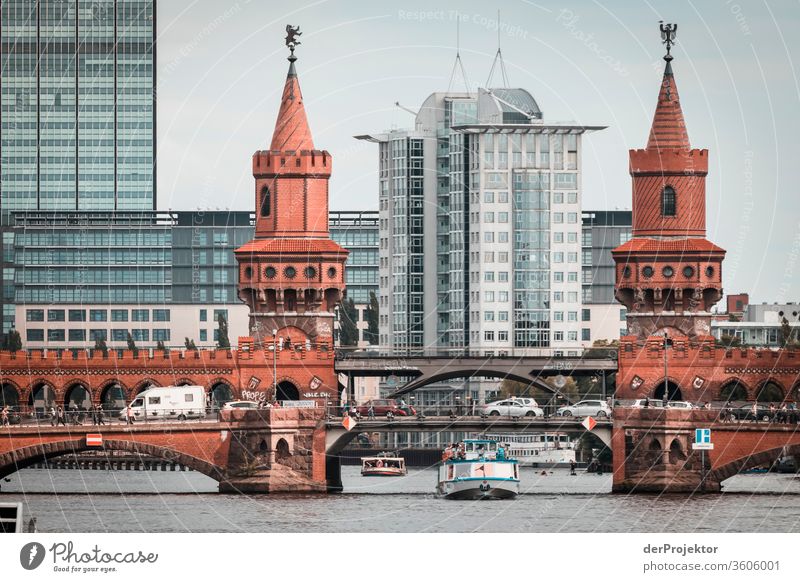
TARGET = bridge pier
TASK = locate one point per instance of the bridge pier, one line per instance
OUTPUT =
(652, 450)
(333, 473)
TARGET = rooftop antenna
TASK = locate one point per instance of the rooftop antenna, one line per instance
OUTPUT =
(498, 57)
(458, 64)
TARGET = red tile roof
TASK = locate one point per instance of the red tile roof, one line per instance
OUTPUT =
(291, 246)
(671, 246)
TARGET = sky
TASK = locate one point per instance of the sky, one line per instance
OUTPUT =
(222, 66)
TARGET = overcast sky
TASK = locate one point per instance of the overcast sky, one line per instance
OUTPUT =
(221, 68)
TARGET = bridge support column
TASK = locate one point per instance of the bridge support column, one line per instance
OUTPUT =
(276, 451)
(653, 453)
(333, 473)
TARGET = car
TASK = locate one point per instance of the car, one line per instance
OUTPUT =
(645, 403)
(239, 404)
(383, 406)
(597, 408)
(681, 405)
(746, 412)
(512, 407)
(524, 401)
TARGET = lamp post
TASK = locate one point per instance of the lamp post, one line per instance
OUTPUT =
(275, 364)
(666, 381)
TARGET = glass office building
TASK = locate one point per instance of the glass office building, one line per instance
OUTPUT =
(78, 105)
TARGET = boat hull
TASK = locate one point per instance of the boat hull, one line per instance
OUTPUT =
(479, 490)
(382, 473)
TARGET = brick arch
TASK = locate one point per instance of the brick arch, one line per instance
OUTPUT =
(27, 392)
(659, 384)
(748, 462)
(142, 385)
(184, 382)
(107, 384)
(17, 459)
(770, 379)
(70, 385)
(217, 381)
(725, 383)
(14, 386)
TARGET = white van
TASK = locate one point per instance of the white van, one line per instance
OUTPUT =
(168, 402)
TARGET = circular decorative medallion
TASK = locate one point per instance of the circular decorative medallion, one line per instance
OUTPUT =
(688, 272)
(626, 272)
(668, 271)
(270, 272)
(310, 272)
(709, 271)
(290, 272)
(331, 273)
(248, 272)
(648, 271)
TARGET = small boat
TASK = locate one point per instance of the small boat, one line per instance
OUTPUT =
(383, 465)
(546, 450)
(478, 469)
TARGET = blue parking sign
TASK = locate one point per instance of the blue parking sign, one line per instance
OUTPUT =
(702, 435)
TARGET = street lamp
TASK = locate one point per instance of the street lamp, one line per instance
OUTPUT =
(666, 381)
(275, 364)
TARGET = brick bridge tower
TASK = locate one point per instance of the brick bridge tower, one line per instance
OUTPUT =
(668, 275)
(292, 274)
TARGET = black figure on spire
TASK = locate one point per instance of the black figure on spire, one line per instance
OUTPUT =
(291, 39)
(668, 33)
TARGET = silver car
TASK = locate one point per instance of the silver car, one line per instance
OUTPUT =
(510, 408)
(596, 408)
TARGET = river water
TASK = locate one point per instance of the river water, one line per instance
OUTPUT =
(184, 501)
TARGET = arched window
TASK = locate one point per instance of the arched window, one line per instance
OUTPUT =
(266, 203)
(668, 201)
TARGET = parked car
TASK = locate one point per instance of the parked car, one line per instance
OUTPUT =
(511, 407)
(383, 406)
(238, 404)
(746, 413)
(597, 408)
(525, 401)
(681, 404)
(650, 404)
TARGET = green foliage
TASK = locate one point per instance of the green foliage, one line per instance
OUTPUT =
(789, 335)
(348, 315)
(12, 341)
(372, 319)
(603, 349)
(189, 344)
(101, 346)
(160, 345)
(132, 344)
(729, 341)
(223, 342)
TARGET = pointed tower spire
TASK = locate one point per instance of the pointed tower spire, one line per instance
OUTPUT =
(668, 129)
(292, 132)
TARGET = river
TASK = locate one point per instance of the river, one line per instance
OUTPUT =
(65, 500)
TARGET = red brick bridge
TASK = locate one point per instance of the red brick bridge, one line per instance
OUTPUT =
(653, 449)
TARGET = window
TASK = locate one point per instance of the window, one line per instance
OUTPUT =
(55, 315)
(558, 217)
(488, 197)
(140, 335)
(488, 216)
(572, 336)
(503, 296)
(572, 276)
(572, 237)
(572, 316)
(55, 335)
(572, 197)
(502, 217)
(502, 276)
(558, 296)
(161, 315)
(265, 201)
(558, 336)
(488, 257)
(35, 335)
(586, 315)
(558, 316)
(98, 315)
(224, 314)
(488, 296)
(625, 236)
(502, 336)
(98, 335)
(119, 335)
(572, 257)
(488, 276)
(572, 217)
(77, 315)
(488, 316)
(558, 257)
(488, 336)
(572, 296)
(503, 197)
(488, 237)
(558, 197)
(34, 315)
(668, 201)
(502, 257)
(203, 335)
(203, 315)
(623, 314)
(502, 237)
(586, 334)
(558, 276)
(558, 237)
(502, 316)
(140, 315)
(119, 315)
(161, 335)
(77, 335)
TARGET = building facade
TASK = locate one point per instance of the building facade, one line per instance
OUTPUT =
(78, 105)
(495, 190)
(758, 324)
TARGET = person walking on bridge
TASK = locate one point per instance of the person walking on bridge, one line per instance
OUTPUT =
(61, 417)
(4, 416)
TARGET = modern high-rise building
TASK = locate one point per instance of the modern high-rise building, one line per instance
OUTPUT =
(71, 278)
(78, 100)
(480, 227)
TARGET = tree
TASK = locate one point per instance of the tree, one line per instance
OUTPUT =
(189, 344)
(101, 346)
(371, 314)
(223, 341)
(13, 341)
(602, 349)
(160, 345)
(348, 315)
(132, 345)
(729, 341)
(788, 335)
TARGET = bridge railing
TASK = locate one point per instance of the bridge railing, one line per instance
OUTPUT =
(345, 352)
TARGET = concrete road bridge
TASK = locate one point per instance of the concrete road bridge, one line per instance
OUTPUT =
(428, 366)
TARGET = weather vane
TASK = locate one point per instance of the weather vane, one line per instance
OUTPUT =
(668, 32)
(291, 39)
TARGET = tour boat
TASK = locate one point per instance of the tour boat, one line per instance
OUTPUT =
(478, 469)
(546, 449)
(383, 465)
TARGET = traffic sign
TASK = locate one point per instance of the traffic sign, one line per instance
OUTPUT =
(348, 423)
(589, 423)
(94, 440)
(702, 435)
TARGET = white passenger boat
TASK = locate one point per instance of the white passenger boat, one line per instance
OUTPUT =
(383, 465)
(546, 450)
(478, 469)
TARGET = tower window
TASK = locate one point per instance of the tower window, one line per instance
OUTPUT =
(266, 203)
(668, 201)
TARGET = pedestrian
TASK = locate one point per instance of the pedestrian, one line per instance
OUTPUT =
(754, 410)
(647, 402)
(100, 419)
(371, 411)
(4, 416)
(128, 415)
(93, 414)
(52, 416)
(61, 416)
(664, 400)
(572, 466)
